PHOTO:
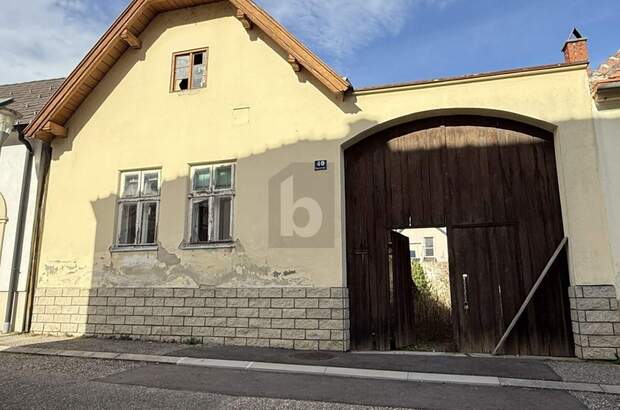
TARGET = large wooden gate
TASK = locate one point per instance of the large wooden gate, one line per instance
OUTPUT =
(493, 184)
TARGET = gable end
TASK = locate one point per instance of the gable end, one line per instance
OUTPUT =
(125, 32)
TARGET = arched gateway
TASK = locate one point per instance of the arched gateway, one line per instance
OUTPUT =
(493, 184)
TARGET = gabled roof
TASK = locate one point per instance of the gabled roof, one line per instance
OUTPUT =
(128, 27)
(27, 99)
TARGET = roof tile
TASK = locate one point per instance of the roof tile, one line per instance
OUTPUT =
(29, 98)
(608, 70)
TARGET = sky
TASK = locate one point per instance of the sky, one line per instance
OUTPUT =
(369, 41)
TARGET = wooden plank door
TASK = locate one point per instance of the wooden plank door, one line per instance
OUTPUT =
(483, 267)
(460, 171)
(403, 292)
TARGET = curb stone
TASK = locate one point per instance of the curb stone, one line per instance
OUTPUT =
(323, 370)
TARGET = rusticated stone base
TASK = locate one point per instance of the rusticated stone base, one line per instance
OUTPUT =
(596, 322)
(289, 318)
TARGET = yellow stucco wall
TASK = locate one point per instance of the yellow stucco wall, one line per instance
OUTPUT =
(132, 121)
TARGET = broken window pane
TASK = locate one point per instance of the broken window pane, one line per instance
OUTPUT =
(149, 223)
(202, 179)
(199, 70)
(127, 228)
(223, 177)
(130, 185)
(224, 210)
(151, 184)
(200, 221)
(211, 203)
(181, 72)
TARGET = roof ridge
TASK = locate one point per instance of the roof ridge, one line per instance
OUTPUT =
(470, 76)
(33, 81)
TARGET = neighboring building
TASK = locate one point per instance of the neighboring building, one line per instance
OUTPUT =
(427, 244)
(605, 86)
(20, 174)
(212, 178)
(605, 83)
(429, 248)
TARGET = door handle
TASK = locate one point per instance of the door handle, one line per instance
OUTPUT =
(465, 292)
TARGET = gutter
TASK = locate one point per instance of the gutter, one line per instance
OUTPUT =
(608, 91)
(610, 85)
(19, 240)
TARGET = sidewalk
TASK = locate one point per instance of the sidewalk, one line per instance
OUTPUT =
(570, 374)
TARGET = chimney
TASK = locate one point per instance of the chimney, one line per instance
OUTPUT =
(576, 48)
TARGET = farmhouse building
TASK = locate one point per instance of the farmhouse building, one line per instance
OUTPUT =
(212, 179)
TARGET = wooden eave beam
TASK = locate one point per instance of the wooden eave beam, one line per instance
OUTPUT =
(43, 136)
(111, 39)
(294, 63)
(244, 19)
(286, 40)
(73, 81)
(129, 38)
(54, 129)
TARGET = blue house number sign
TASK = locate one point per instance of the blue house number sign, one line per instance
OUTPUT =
(320, 165)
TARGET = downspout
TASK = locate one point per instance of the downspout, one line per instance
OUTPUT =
(44, 166)
(19, 239)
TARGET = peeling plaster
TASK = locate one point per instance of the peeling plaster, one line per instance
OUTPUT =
(232, 267)
(167, 258)
(62, 272)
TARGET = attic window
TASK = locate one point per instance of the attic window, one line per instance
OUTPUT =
(190, 70)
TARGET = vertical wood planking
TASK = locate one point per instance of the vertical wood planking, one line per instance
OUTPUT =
(403, 291)
(467, 173)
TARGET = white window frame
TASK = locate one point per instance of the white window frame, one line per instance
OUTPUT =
(210, 194)
(140, 200)
(432, 247)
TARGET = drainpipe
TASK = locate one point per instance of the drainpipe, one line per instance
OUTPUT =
(19, 240)
(44, 166)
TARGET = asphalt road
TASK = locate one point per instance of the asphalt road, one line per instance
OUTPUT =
(40, 382)
(45, 382)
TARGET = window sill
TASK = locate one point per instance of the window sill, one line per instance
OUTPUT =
(217, 245)
(191, 91)
(145, 248)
